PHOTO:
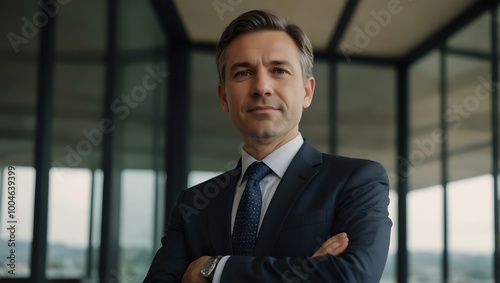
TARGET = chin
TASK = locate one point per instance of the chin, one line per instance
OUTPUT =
(266, 131)
(262, 136)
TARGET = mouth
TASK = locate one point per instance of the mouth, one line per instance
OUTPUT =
(262, 109)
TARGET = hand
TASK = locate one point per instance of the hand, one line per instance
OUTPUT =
(334, 245)
(193, 272)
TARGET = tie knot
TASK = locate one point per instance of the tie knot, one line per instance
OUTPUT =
(257, 171)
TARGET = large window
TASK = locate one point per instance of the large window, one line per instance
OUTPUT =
(78, 128)
(457, 196)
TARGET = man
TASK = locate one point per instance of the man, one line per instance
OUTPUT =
(299, 215)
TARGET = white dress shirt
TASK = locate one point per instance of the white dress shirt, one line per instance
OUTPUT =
(278, 161)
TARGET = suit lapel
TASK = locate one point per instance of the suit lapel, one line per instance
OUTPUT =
(220, 210)
(294, 182)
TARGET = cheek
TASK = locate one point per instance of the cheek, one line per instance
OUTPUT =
(236, 99)
(295, 100)
(234, 105)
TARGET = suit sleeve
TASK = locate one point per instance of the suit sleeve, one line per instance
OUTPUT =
(361, 210)
(171, 260)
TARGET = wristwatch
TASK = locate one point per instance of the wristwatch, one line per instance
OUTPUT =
(208, 268)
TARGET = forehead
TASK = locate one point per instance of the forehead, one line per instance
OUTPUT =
(264, 45)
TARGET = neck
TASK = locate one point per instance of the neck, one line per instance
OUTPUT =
(260, 148)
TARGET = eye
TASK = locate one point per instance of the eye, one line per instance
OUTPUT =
(243, 74)
(280, 71)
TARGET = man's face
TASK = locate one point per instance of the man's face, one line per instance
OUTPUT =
(264, 91)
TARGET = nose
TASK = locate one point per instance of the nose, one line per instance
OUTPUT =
(262, 85)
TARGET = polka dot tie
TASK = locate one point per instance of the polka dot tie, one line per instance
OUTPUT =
(247, 219)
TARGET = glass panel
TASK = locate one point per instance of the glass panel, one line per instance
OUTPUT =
(159, 211)
(425, 198)
(366, 103)
(389, 275)
(425, 138)
(77, 127)
(314, 125)
(139, 29)
(468, 115)
(136, 224)
(215, 143)
(366, 127)
(81, 29)
(18, 81)
(95, 233)
(470, 206)
(139, 137)
(197, 177)
(470, 229)
(78, 132)
(139, 147)
(16, 243)
(475, 37)
(21, 39)
(497, 83)
(425, 234)
(68, 227)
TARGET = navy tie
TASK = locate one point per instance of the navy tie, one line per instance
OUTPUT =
(247, 219)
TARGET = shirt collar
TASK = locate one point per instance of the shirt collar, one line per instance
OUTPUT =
(277, 160)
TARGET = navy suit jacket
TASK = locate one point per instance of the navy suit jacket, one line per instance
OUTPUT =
(319, 196)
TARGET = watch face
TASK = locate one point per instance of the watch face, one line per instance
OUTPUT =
(208, 267)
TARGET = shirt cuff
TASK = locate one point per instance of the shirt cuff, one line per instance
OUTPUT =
(219, 269)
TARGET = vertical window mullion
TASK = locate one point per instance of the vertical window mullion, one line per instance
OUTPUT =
(444, 158)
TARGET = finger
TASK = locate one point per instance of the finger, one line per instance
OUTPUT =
(333, 249)
(338, 247)
(334, 245)
(337, 238)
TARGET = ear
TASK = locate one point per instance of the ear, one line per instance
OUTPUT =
(309, 89)
(221, 91)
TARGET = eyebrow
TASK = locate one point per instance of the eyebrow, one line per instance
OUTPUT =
(245, 64)
(239, 65)
(281, 63)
